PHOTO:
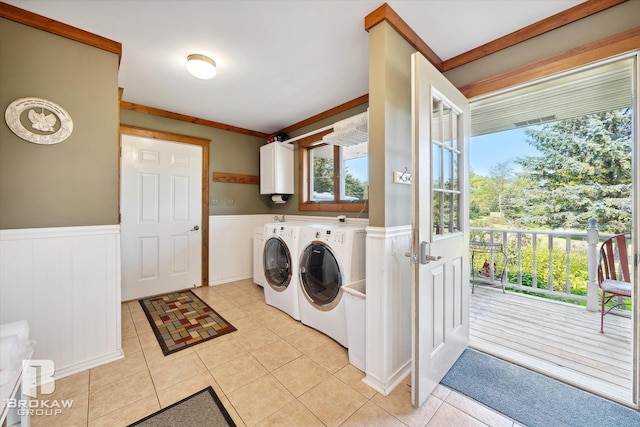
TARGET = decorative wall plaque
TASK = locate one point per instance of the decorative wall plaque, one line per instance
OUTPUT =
(38, 120)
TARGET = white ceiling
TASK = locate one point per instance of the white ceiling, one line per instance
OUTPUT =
(279, 61)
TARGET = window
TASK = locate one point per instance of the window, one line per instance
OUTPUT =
(333, 178)
(445, 157)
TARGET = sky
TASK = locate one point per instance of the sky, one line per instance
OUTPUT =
(358, 168)
(487, 150)
(484, 152)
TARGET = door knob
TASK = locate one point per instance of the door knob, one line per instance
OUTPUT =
(195, 228)
(425, 257)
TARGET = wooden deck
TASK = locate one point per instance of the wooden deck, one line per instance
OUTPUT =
(558, 339)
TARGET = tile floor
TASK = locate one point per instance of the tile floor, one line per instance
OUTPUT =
(273, 371)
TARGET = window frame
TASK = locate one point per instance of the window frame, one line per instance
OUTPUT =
(305, 145)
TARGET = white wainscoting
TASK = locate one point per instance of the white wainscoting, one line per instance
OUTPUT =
(231, 242)
(66, 282)
(389, 282)
(231, 246)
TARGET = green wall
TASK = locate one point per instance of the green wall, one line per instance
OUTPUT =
(390, 126)
(75, 182)
(229, 152)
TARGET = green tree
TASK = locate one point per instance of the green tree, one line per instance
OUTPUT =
(483, 195)
(512, 200)
(584, 171)
(323, 180)
(354, 187)
(322, 175)
(501, 175)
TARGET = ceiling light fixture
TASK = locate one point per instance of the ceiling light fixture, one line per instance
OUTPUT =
(201, 66)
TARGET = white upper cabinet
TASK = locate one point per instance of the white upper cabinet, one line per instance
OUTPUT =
(276, 168)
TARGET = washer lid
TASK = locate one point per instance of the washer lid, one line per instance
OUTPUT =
(320, 274)
(277, 263)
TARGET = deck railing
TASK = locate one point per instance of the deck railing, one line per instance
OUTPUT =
(559, 264)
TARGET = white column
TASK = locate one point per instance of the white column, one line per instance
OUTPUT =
(593, 238)
(388, 307)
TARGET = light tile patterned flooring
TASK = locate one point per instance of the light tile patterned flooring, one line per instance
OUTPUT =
(273, 371)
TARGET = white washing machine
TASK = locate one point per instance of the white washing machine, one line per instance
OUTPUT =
(331, 256)
(280, 266)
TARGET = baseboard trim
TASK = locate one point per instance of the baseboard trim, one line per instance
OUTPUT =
(88, 364)
(387, 387)
(230, 279)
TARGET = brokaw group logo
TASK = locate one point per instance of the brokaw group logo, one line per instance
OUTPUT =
(38, 373)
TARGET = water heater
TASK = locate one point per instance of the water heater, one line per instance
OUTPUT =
(276, 168)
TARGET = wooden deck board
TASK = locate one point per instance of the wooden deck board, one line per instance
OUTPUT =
(559, 339)
(578, 343)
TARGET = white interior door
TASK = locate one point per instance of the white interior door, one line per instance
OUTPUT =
(440, 116)
(161, 205)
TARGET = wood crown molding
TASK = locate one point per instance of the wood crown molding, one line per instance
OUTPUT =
(382, 13)
(558, 20)
(330, 112)
(40, 22)
(618, 44)
(190, 119)
(582, 10)
(313, 140)
(386, 13)
(167, 136)
(235, 178)
(125, 105)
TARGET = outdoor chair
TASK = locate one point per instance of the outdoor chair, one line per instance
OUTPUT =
(613, 274)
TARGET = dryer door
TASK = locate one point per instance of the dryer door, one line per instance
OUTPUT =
(320, 276)
(277, 264)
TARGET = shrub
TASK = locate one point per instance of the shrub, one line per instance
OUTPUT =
(578, 268)
(527, 279)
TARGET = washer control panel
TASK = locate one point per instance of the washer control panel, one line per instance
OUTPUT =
(330, 236)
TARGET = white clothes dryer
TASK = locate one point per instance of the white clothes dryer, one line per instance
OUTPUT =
(331, 256)
(280, 267)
